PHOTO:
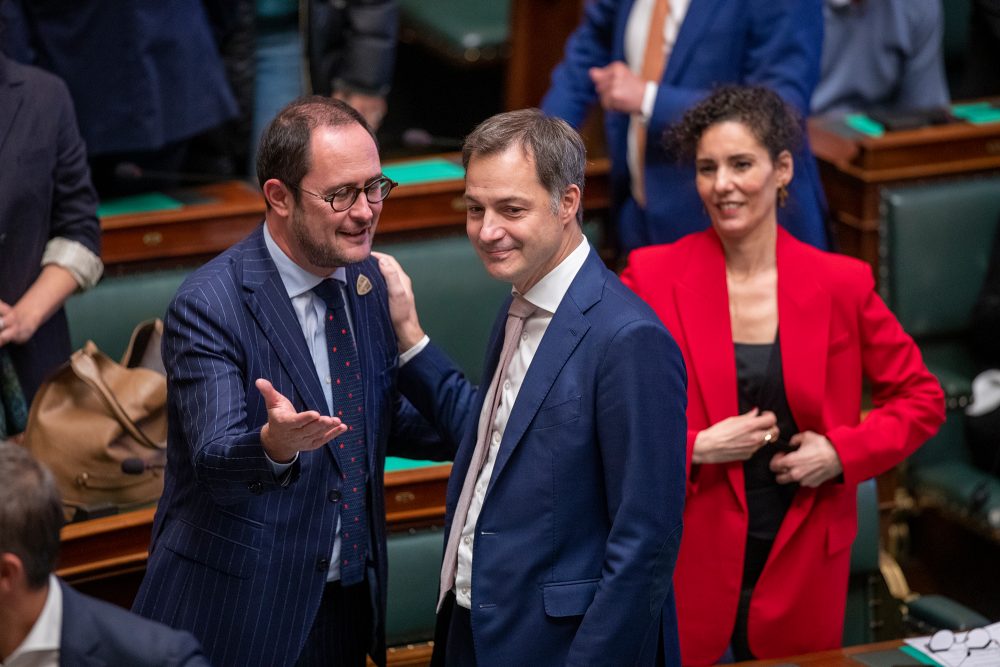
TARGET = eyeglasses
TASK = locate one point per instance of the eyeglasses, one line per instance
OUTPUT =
(343, 198)
(977, 639)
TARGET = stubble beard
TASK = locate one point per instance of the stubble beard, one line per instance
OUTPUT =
(316, 252)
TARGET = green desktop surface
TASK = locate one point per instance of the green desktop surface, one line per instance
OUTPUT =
(143, 203)
(429, 170)
(394, 463)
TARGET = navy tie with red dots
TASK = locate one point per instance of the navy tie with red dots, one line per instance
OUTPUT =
(348, 404)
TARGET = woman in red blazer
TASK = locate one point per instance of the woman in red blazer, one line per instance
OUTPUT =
(776, 336)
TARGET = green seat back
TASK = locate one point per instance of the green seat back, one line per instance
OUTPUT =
(456, 299)
(464, 29)
(108, 313)
(414, 571)
(859, 616)
(936, 242)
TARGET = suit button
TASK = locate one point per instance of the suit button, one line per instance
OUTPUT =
(255, 487)
(333, 496)
(323, 564)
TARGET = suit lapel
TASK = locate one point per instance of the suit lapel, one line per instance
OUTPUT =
(78, 640)
(689, 37)
(369, 340)
(703, 313)
(265, 296)
(568, 327)
(804, 311)
(11, 98)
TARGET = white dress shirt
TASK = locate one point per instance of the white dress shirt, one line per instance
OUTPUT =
(546, 295)
(41, 647)
(636, 34)
(309, 312)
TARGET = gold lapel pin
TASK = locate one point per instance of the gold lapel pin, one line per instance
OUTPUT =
(364, 285)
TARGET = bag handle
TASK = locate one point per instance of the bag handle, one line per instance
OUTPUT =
(86, 369)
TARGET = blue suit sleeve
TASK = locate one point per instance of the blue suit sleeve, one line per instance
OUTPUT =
(571, 92)
(208, 390)
(642, 428)
(784, 47)
(441, 393)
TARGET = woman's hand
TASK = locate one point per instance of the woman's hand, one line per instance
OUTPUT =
(735, 438)
(814, 462)
(15, 327)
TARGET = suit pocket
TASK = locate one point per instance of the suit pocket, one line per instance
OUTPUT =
(558, 414)
(211, 549)
(569, 598)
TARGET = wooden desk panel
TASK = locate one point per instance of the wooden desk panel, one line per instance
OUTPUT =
(855, 169)
(233, 209)
(840, 657)
(107, 557)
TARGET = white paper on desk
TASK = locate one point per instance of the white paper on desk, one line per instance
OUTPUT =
(959, 654)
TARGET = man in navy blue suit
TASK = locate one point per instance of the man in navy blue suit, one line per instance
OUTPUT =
(565, 499)
(701, 44)
(42, 620)
(269, 540)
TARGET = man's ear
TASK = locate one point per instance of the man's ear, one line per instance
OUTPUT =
(570, 203)
(279, 196)
(11, 572)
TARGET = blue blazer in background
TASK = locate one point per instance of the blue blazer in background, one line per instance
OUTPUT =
(576, 542)
(773, 43)
(237, 558)
(45, 192)
(97, 634)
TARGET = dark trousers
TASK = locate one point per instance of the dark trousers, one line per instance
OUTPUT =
(453, 645)
(341, 632)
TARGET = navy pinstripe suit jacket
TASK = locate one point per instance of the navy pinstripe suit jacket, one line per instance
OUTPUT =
(237, 559)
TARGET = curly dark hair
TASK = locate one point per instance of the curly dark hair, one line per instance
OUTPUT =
(773, 122)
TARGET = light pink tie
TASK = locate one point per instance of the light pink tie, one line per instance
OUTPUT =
(520, 310)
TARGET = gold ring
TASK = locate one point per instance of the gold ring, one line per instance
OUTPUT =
(768, 437)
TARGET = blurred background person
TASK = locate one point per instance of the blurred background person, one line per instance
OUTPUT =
(777, 337)
(146, 78)
(44, 622)
(649, 61)
(881, 55)
(50, 241)
(348, 47)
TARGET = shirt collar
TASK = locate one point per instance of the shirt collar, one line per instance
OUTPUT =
(548, 292)
(45, 633)
(297, 281)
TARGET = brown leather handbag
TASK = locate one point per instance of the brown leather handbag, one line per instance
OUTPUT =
(101, 426)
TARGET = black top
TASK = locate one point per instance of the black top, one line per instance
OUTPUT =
(760, 384)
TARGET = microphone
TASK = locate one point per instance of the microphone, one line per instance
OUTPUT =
(130, 171)
(136, 466)
(417, 137)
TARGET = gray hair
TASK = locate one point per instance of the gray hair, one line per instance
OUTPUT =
(555, 147)
(31, 513)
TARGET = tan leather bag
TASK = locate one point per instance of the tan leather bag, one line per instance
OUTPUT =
(94, 419)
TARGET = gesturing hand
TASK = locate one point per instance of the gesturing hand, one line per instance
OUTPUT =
(735, 438)
(287, 431)
(619, 88)
(814, 462)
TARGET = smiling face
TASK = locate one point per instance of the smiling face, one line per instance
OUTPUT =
(737, 179)
(312, 234)
(510, 218)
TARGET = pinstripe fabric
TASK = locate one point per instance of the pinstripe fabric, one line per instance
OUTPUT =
(236, 558)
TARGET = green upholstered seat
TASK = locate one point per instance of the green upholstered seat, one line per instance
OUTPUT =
(859, 617)
(456, 299)
(935, 245)
(414, 572)
(108, 313)
(468, 31)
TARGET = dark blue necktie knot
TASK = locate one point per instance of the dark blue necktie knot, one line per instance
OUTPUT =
(329, 290)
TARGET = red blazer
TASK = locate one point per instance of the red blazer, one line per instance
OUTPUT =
(834, 330)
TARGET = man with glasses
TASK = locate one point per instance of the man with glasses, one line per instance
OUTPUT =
(269, 540)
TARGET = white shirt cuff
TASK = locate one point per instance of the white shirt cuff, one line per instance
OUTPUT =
(281, 468)
(414, 351)
(78, 259)
(649, 100)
